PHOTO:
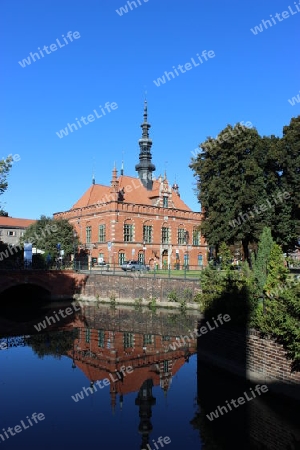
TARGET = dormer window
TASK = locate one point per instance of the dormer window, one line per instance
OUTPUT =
(165, 202)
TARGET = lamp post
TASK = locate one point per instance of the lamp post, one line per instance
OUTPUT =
(58, 246)
(144, 252)
(74, 244)
(187, 250)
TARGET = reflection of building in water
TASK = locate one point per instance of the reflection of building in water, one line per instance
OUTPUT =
(109, 339)
(145, 401)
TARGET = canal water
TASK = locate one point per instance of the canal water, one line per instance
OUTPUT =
(122, 378)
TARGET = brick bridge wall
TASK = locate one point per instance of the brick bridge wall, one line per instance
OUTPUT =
(60, 284)
(67, 284)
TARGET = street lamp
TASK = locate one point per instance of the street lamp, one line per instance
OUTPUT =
(144, 252)
(187, 250)
(74, 244)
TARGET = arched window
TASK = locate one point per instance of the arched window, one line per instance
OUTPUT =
(102, 233)
(181, 235)
(196, 236)
(121, 257)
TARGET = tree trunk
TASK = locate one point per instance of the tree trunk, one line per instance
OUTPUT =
(245, 244)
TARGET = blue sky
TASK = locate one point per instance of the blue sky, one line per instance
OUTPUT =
(250, 78)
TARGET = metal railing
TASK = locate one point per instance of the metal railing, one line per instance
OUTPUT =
(170, 271)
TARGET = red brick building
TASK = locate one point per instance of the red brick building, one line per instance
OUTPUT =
(140, 218)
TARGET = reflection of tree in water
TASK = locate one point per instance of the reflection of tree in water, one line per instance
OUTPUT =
(55, 344)
(207, 435)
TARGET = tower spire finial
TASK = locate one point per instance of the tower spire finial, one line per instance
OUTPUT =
(145, 166)
(93, 175)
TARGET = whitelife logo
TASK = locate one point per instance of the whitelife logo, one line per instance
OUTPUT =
(120, 376)
(294, 100)
(267, 23)
(53, 48)
(90, 118)
(203, 330)
(263, 207)
(17, 429)
(241, 401)
(187, 66)
(68, 311)
(124, 9)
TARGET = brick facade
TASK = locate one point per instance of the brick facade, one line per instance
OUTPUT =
(143, 218)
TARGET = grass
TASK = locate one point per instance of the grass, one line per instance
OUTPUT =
(176, 273)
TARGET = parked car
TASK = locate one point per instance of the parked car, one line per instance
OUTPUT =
(102, 263)
(133, 265)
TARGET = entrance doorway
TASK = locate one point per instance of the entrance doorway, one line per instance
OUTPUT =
(164, 257)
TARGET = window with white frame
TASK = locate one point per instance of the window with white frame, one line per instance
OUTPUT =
(128, 232)
(147, 233)
(88, 231)
(102, 233)
(165, 232)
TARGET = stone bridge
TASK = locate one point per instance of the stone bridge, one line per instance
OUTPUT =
(47, 284)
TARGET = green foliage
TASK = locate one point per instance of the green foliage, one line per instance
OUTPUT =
(277, 272)
(5, 166)
(46, 233)
(183, 306)
(187, 295)
(138, 303)
(227, 292)
(230, 181)
(173, 296)
(11, 257)
(55, 344)
(260, 262)
(225, 257)
(264, 298)
(112, 299)
(152, 304)
(282, 321)
(240, 171)
(286, 219)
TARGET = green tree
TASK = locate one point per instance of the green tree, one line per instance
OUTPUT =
(282, 307)
(241, 179)
(5, 166)
(277, 273)
(46, 233)
(230, 183)
(286, 221)
(225, 257)
(260, 261)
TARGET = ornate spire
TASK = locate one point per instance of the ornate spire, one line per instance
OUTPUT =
(145, 166)
(114, 184)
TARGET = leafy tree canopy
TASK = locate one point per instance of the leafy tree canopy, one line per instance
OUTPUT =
(46, 233)
(5, 166)
(241, 177)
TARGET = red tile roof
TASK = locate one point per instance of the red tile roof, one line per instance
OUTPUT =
(132, 382)
(12, 222)
(135, 193)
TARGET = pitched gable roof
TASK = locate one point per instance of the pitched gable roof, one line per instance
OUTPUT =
(135, 193)
(12, 222)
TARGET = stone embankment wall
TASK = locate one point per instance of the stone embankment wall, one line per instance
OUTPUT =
(128, 288)
(260, 360)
